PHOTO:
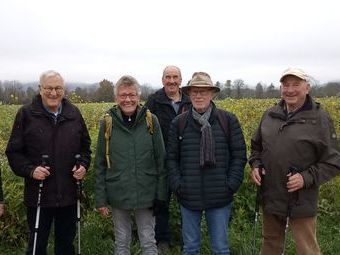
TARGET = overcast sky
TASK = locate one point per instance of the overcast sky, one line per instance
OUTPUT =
(87, 41)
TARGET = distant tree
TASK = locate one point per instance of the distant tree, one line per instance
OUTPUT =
(82, 94)
(105, 91)
(272, 91)
(30, 93)
(332, 89)
(146, 91)
(316, 91)
(238, 85)
(259, 90)
(227, 88)
(220, 94)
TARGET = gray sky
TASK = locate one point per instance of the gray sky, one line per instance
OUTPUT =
(87, 41)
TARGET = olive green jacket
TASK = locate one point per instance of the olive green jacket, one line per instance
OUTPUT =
(306, 141)
(137, 175)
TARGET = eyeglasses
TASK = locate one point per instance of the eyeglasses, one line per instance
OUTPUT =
(58, 90)
(125, 96)
(203, 93)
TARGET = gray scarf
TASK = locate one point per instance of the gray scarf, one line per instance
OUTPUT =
(207, 146)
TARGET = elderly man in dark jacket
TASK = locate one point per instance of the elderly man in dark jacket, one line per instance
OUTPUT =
(50, 126)
(166, 104)
(296, 143)
(206, 165)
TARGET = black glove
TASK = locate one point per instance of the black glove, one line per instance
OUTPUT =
(159, 207)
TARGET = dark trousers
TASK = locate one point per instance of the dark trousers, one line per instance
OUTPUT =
(162, 228)
(64, 229)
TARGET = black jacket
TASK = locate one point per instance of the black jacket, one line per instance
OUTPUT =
(160, 105)
(209, 187)
(35, 133)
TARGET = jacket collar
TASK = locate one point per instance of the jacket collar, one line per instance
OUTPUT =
(280, 110)
(162, 98)
(67, 109)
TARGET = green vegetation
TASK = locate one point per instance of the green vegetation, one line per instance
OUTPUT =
(97, 234)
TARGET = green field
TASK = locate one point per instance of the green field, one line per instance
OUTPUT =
(97, 235)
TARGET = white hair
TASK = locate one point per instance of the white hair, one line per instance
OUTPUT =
(49, 73)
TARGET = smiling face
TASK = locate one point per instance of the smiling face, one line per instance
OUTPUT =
(294, 91)
(171, 80)
(52, 91)
(127, 99)
(201, 98)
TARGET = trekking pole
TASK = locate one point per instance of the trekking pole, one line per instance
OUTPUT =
(257, 207)
(78, 200)
(292, 170)
(44, 159)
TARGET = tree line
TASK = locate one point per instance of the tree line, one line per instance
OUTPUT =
(14, 92)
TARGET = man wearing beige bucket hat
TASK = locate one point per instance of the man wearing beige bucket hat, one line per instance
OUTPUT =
(205, 162)
(296, 145)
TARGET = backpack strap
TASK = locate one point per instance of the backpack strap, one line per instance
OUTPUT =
(224, 122)
(221, 116)
(182, 121)
(108, 133)
(149, 121)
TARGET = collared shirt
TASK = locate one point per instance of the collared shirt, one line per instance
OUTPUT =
(54, 114)
(176, 104)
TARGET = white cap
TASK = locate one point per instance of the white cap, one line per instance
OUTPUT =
(296, 72)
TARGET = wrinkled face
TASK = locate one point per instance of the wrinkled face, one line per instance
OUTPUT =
(294, 91)
(52, 91)
(171, 80)
(201, 98)
(127, 99)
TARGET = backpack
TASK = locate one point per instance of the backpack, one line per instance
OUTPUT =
(221, 116)
(108, 132)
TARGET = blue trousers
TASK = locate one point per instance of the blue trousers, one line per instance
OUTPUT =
(217, 220)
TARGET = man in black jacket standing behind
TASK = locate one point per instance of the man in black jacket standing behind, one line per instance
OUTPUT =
(166, 104)
(53, 127)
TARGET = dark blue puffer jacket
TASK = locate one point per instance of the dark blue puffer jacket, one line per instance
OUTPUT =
(209, 187)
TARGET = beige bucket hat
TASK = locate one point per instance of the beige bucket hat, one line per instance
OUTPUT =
(200, 80)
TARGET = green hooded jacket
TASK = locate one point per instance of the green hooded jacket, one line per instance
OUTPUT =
(137, 175)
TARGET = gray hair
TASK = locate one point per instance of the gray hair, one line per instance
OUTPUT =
(49, 73)
(175, 67)
(127, 80)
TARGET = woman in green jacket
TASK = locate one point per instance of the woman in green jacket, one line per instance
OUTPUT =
(131, 178)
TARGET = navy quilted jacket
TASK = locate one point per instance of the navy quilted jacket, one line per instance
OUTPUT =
(209, 187)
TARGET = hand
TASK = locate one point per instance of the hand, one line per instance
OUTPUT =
(79, 173)
(41, 173)
(158, 207)
(2, 209)
(255, 175)
(104, 211)
(295, 182)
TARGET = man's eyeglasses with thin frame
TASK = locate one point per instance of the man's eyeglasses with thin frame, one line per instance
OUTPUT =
(48, 90)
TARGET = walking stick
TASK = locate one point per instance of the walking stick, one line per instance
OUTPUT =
(257, 207)
(44, 159)
(292, 170)
(78, 201)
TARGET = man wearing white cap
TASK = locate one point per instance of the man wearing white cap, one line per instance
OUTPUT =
(295, 145)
